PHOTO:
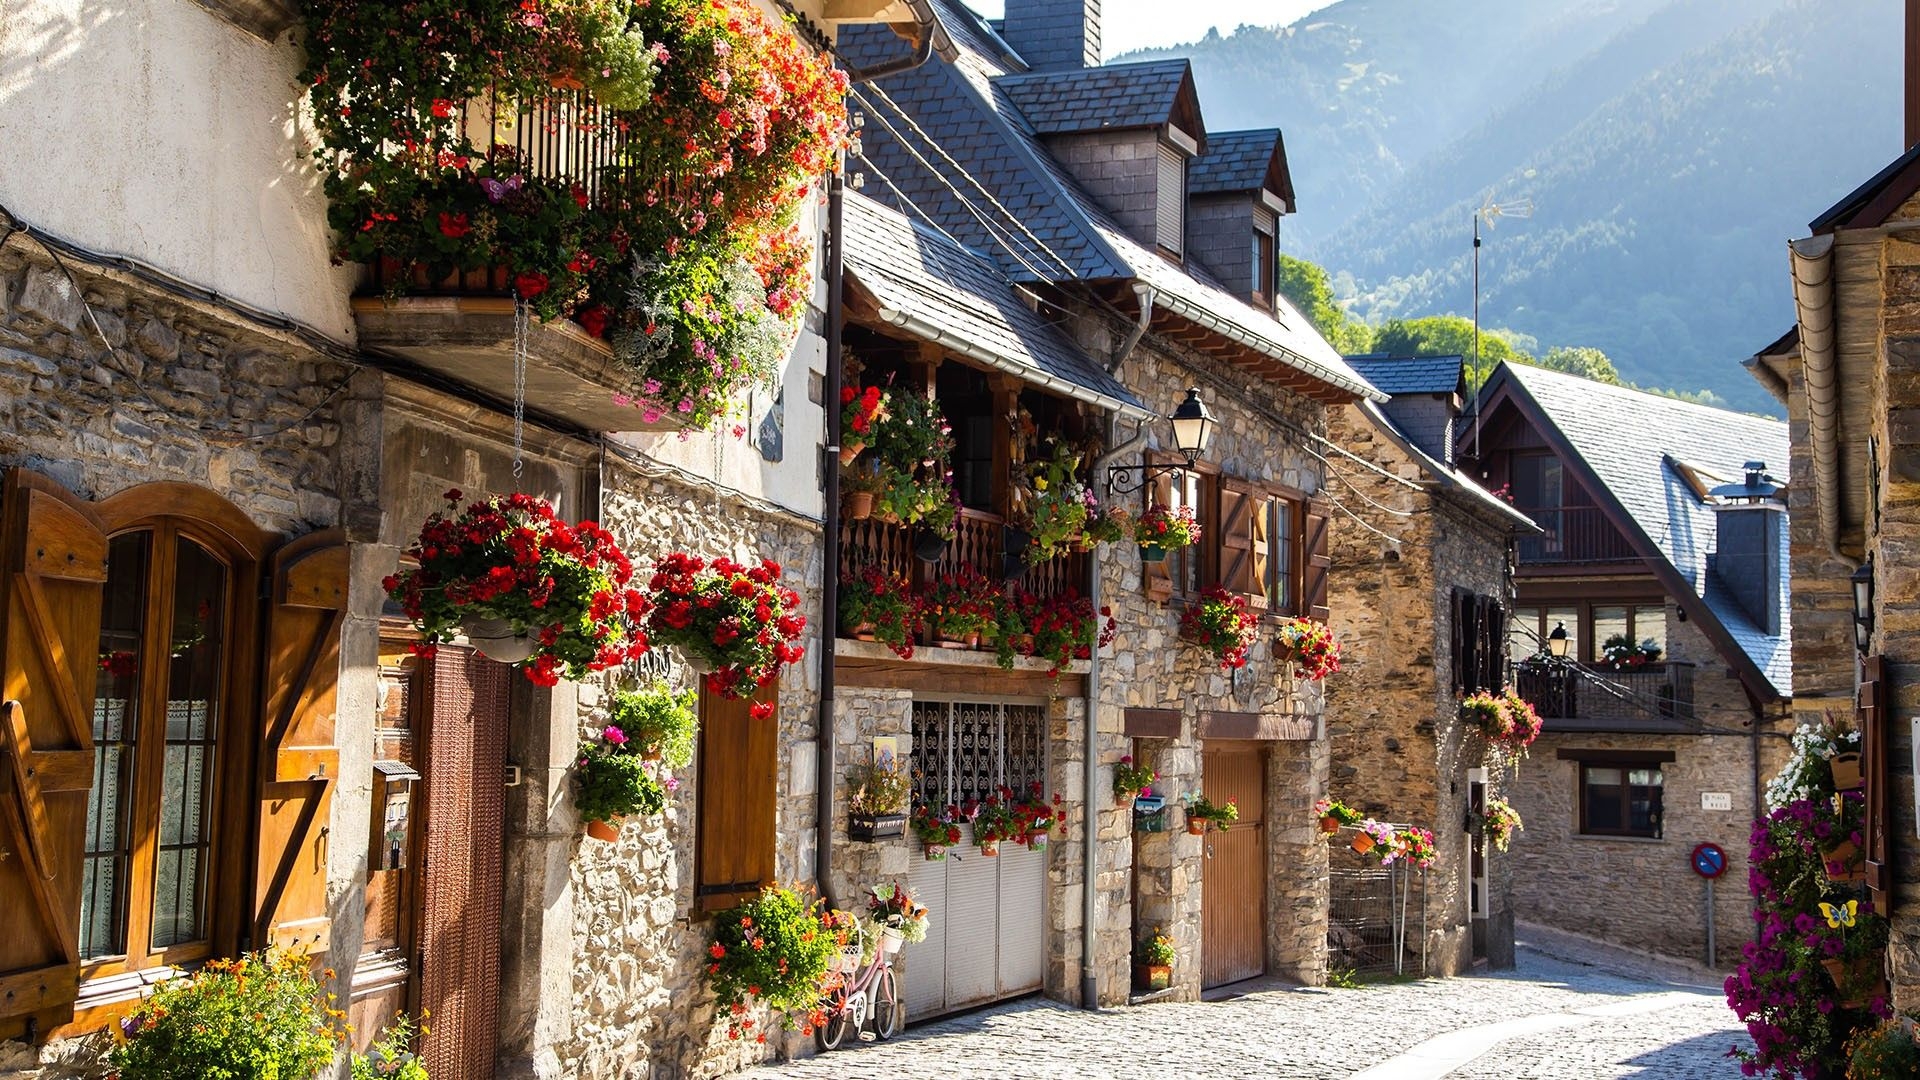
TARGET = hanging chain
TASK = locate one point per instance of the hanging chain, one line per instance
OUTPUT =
(521, 332)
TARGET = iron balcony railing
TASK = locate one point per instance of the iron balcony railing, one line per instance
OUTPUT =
(1653, 693)
(979, 542)
(1574, 534)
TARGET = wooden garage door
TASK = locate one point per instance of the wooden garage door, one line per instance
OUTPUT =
(1233, 894)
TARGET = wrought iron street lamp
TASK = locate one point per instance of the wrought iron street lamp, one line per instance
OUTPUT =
(1557, 641)
(1863, 607)
(1193, 427)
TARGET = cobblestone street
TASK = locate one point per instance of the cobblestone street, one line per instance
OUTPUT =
(1552, 1017)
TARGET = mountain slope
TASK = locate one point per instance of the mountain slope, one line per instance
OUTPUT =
(1670, 148)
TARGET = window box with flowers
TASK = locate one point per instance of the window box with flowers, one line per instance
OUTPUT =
(1308, 645)
(1065, 627)
(877, 606)
(960, 609)
(1223, 625)
(736, 624)
(877, 800)
(527, 588)
(697, 126)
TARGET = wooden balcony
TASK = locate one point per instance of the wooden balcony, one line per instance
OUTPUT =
(980, 543)
(1575, 534)
(1656, 696)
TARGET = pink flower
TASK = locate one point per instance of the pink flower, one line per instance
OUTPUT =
(614, 735)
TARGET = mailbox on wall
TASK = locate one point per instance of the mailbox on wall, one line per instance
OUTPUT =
(392, 814)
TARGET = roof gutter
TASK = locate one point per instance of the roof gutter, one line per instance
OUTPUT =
(931, 37)
(926, 331)
(1813, 300)
(1194, 313)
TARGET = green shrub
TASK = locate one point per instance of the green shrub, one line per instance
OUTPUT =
(391, 1055)
(774, 949)
(261, 1017)
(658, 717)
(1887, 1052)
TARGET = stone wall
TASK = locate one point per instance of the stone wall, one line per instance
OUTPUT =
(1399, 750)
(640, 1007)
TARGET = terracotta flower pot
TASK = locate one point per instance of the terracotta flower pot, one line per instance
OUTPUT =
(1196, 826)
(1037, 842)
(1843, 862)
(1152, 976)
(1855, 980)
(990, 848)
(849, 451)
(1362, 843)
(859, 631)
(1846, 772)
(973, 640)
(935, 852)
(1284, 651)
(1329, 825)
(857, 505)
(1123, 799)
(651, 752)
(948, 643)
(602, 830)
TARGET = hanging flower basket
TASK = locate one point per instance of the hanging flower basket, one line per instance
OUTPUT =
(529, 589)
(1152, 553)
(1167, 529)
(1309, 646)
(735, 624)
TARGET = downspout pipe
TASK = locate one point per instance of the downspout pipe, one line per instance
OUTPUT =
(1813, 300)
(836, 271)
(1145, 292)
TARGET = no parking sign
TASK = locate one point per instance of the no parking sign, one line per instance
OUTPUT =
(1709, 861)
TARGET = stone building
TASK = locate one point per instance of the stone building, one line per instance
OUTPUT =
(1846, 373)
(1652, 635)
(1420, 588)
(1054, 214)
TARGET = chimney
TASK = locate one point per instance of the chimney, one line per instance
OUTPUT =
(1751, 524)
(1060, 35)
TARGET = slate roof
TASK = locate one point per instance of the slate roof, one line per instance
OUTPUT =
(1412, 374)
(973, 141)
(1235, 161)
(911, 269)
(1111, 97)
(1446, 475)
(1874, 201)
(1630, 460)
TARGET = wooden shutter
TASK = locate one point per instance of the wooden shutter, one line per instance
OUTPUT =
(1872, 717)
(53, 563)
(1459, 640)
(1170, 204)
(1315, 561)
(1493, 644)
(306, 604)
(1235, 540)
(739, 783)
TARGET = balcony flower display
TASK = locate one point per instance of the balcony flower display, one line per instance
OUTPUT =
(773, 950)
(935, 830)
(530, 589)
(1065, 627)
(699, 126)
(1499, 823)
(879, 605)
(860, 409)
(1622, 653)
(737, 623)
(613, 780)
(1204, 814)
(1131, 781)
(1161, 530)
(1309, 645)
(1222, 624)
(1507, 720)
(1056, 504)
(961, 608)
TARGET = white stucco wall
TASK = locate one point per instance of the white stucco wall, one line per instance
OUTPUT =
(154, 130)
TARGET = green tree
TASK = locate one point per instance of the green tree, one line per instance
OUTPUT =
(1306, 286)
(1451, 335)
(1582, 360)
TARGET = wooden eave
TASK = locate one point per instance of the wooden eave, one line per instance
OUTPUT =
(1175, 328)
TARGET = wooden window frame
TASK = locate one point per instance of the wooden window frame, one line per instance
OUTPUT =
(1584, 628)
(1626, 763)
(1164, 581)
(170, 513)
(1266, 269)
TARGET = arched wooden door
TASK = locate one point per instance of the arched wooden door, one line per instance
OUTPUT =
(1233, 879)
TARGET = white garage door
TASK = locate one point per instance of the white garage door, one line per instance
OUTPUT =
(986, 941)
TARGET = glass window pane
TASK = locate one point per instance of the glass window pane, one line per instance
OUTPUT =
(186, 786)
(116, 702)
(1608, 622)
(1184, 564)
(1603, 777)
(1603, 801)
(1650, 621)
(1523, 633)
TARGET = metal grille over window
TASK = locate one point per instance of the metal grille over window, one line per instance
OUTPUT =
(965, 750)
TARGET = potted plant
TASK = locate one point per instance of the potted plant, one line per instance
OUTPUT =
(1056, 504)
(735, 623)
(1130, 781)
(1222, 624)
(993, 822)
(860, 409)
(960, 608)
(1499, 822)
(1065, 627)
(1161, 530)
(659, 721)
(1888, 1051)
(527, 588)
(774, 950)
(877, 801)
(613, 780)
(1153, 958)
(1333, 813)
(1036, 815)
(935, 831)
(876, 606)
(1309, 646)
(391, 1056)
(1853, 943)
(1412, 845)
(1203, 814)
(1107, 524)
(1622, 653)
(894, 918)
(262, 1015)
(858, 488)
(1373, 836)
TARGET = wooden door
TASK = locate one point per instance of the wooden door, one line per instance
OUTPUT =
(1233, 880)
(464, 747)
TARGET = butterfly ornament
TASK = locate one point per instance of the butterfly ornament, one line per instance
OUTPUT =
(1840, 916)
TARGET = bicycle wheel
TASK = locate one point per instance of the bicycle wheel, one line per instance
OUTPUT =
(889, 1012)
(832, 1034)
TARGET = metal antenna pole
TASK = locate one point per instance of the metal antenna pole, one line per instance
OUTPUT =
(1479, 378)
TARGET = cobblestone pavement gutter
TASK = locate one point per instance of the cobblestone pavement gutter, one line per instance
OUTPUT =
(1551, 1018)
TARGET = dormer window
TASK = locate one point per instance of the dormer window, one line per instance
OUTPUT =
(1170, 217)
